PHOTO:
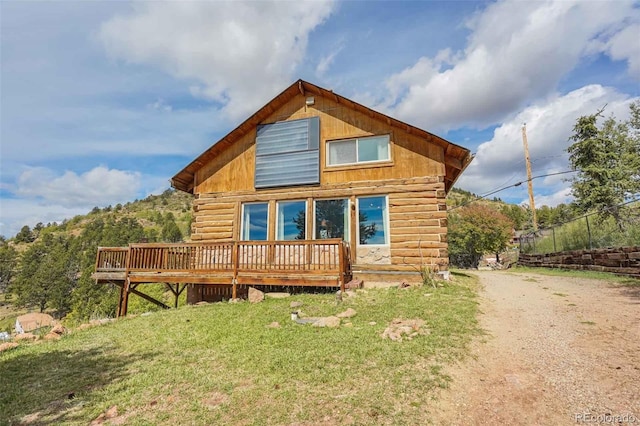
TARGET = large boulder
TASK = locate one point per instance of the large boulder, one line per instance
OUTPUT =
(255, 295)
(30, 322)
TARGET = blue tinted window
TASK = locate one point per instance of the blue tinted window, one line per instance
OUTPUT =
(254, 222)
(291, 222)
(372, 220)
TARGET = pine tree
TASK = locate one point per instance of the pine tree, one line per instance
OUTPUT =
(607, 160)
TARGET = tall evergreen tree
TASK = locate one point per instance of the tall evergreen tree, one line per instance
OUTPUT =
(607, 160)
(47, 275)
(170, 232)
(8, 264)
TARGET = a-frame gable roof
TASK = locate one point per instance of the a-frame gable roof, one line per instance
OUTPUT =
(456, 157)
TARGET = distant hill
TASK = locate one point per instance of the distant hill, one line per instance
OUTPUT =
(150, 213)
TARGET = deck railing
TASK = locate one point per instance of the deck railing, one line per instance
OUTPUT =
(110, 259)
(304, 257)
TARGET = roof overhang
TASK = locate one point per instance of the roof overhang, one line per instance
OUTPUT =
(456, 158)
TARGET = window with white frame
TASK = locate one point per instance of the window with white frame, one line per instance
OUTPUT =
(332, 219)
(255, 222)
(358, 150)
(373, 220)
(291, 222)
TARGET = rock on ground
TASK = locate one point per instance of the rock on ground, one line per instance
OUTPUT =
(331, 322)
(8, 345)
(255, 295)
(407, 329)
(58, 329)
(347, 314)
(52, 336)
(26, 336)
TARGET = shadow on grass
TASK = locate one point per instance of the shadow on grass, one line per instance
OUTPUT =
(459, 273)
(56, 386)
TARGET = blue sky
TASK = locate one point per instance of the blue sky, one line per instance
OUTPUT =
(103, 102)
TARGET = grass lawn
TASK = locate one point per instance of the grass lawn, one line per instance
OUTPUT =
(221, 364)
(612, 278)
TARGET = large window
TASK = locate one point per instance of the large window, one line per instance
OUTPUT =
(358, 150)
(254, 221)
(291, 222)
(373, 220)
(332, 219)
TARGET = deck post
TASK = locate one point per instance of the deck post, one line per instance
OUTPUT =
(119, 311)
(341, 267)
(124, 292)
(124, 298)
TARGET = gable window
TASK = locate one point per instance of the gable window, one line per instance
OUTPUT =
(287, 153)
(291, 222)
(358, 150)
(332, 219)
(373, 220)
(254, 222)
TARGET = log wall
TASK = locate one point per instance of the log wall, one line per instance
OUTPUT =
(417, 216)
(621, 260)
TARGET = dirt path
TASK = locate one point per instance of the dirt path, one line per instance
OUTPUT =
(558, 351)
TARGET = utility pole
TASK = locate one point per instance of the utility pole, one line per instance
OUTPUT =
(529, 181)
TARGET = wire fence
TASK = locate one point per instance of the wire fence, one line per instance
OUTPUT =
(584, 233)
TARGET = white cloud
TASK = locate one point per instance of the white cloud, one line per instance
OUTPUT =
(517, 52)
(239, 53)
(562, 196)
(96, 187)
(500, 161)
(16, 213)
(327, 61)
(160, 105)
(625, 45)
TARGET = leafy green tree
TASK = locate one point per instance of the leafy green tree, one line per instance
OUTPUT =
(545, 216)
(477, 230)
(607, 159)
(518, 215)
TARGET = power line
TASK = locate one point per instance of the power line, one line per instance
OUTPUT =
(511, 186)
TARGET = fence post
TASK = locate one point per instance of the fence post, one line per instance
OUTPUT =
(588, 231)
(534, 243)
(554, 239)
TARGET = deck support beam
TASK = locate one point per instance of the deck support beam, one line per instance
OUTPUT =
(126, 289)
(177, 291)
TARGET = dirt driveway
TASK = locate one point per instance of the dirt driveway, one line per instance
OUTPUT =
(558, 351)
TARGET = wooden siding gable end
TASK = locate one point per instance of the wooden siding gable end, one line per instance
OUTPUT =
(290, 104)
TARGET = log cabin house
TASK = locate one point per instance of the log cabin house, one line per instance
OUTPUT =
(311, 190)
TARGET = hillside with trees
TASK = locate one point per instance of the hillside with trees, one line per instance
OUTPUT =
(48, 268)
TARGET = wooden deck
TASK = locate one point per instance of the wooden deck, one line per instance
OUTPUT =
(324, 263)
